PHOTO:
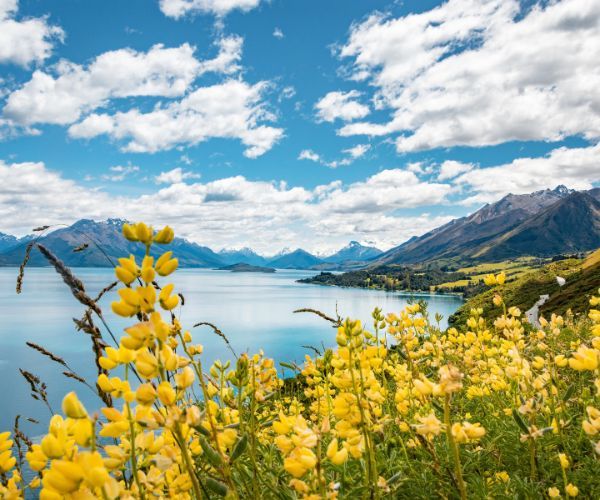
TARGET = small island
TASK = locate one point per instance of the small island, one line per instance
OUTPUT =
(240, 267)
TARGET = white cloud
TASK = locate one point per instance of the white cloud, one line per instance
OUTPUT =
(25, 41)
(175, 176)
(577, 168)
(309, 154)
(75, 90)
(475, 73)
(120, 172)
(225, 212)
(180, 8)
(120, 73)
(451, 168)
(232, 109)
(387, 190)
(277, 33)
(357, 151)
(228, 58)
(342, 105)
(387, 207)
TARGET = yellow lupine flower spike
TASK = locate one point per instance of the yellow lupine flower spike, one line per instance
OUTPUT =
(128, 271)
(164, 236)
(168, 301)
(165, 265)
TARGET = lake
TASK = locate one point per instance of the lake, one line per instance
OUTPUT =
(254, 310)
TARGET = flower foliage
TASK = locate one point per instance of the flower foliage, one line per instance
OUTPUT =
(396, 409)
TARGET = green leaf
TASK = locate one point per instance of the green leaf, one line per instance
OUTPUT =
(520, 421)
(239, 448)
(210, 453)
(216, 487)
(569, 393)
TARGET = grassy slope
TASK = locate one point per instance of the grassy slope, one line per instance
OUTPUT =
(522, 291)
(576, 293)
(475, 274)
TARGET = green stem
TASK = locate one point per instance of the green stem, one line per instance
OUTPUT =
(454, 448)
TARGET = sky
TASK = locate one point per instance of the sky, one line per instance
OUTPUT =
(292, 123)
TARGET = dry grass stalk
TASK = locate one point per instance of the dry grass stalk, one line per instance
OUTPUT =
(75, 284)
(38, 388)
(74, 376)
(22, 267)
(47, 353)
(105, 290)
(336, 322)
(218, 333)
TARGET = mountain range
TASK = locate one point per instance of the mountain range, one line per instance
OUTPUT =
(544, 223)
(105, 244)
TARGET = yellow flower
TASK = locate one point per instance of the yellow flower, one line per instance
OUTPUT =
(129, 232)
(146, 394)
(572, 490)
(7, 461)
(564, 461)
(489, 279)
(185, 378)
(147, 273)
(72, 407)
(429, 426)
(337, 456)
(165, 265)
(299, 462)
(584, 358)
(553, 492)
(129, 304)
(128, 271)
(168, 301)
(450, 379)
(166, 393)
(36, 458)
(164, 236)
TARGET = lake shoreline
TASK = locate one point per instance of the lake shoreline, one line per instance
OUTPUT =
(411, 292)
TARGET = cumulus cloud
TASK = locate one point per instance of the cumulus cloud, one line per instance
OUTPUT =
(481, 73)
(357, 151)
(233, 109)
(451, 168)
(277, 33)
(341, 105)
(72, 94)
(25, 41)
(387, 190)
(180, 8)
(309, 154)
(576, 168)
(63, 97)
(387, 207)
(225, 212)
(175, 176)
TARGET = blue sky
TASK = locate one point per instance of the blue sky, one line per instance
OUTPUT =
(292, 123)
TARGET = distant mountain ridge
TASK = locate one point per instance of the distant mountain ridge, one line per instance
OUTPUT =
(354, 251)
(514, 226)
(106, 244)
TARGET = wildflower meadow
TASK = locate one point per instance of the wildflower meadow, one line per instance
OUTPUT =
(397, 409)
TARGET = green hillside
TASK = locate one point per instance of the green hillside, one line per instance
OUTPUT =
(523, 291)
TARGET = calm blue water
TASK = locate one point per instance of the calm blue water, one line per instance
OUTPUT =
(254, 310)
